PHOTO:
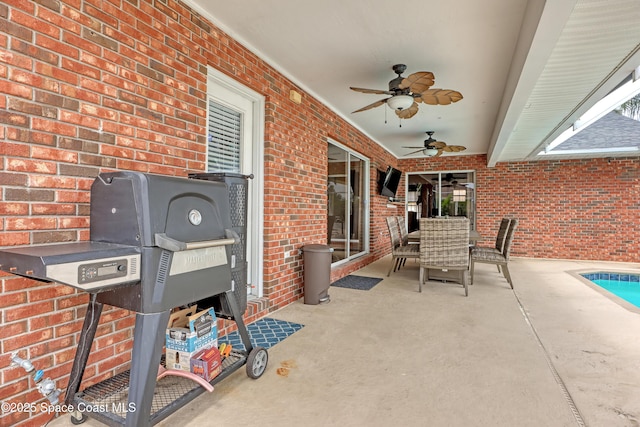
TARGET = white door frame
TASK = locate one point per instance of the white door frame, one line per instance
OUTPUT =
(229, 92)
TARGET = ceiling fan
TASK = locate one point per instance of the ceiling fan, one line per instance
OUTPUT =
(433, 148)
(407, 92)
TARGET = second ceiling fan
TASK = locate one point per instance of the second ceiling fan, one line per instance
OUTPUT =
(434, 148)
(407, 92)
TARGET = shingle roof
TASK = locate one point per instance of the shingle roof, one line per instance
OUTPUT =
(612, 130)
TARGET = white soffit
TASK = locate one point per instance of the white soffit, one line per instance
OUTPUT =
(591, 57)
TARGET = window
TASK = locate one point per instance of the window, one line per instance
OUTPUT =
(224, 136)
(347, 200)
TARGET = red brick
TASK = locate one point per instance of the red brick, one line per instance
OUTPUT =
(16, 283)
(111, 339)
(14, 208)
(13, 298)
(72, 301)
(8, 390)
(55, 126)
(25, 165)
(73, 222)
(69, 328)
(11, 149)
(97, 356)
(25, 340)
(48, 181)
(27, 136)
(65, 355)
(27, 310)
(49, 292)
(73, 196)
(30, 223)
(46, 153)
(52, 319)
(12, 329)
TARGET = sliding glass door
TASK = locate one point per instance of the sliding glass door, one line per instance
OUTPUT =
(347, 196)
(441, 194)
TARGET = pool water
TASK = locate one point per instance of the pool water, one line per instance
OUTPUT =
(625, 286)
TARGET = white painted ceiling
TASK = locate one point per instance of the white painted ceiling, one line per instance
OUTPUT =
(526, 68)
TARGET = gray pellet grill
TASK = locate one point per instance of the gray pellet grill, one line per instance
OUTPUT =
(156, 243)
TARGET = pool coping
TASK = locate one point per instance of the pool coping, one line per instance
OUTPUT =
(620, 301)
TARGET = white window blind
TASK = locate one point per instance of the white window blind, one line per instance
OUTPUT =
(225, 131)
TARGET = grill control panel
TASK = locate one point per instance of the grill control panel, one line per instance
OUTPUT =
(97, 271)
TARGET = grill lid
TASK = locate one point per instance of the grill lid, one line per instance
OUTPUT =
(139, 209)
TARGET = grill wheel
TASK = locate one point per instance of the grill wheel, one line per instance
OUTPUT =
(257, 362)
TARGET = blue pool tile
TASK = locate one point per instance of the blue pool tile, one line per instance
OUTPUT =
(621, 277)
(623, 285)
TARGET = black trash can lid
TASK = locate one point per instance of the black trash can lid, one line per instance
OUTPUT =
(317, 248)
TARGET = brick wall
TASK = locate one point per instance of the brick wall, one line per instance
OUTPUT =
(87, 87)
(585, 209)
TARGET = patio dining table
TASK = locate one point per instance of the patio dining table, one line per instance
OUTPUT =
(474, 236)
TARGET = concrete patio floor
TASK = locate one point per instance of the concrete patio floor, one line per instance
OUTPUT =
(393, 356)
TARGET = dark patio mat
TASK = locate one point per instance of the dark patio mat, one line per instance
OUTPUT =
(357, 282)
(265, 332)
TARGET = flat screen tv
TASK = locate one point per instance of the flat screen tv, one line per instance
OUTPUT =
(390, 183)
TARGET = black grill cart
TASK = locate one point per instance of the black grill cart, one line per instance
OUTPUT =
(156, 243)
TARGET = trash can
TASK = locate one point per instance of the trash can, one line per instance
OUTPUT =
(317, 273)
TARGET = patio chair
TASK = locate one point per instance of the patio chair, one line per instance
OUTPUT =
(500, 239)
(404, 233)
(499, 258)
(399, 252)
(444, 246)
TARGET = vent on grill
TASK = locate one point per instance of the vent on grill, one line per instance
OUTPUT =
(163, 267)
(133, 263)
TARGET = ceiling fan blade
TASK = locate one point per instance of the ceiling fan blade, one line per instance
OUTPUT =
(407, 113)
(418, 82)
(414, 152)
(438, 145)
(439, 154)
(370, 106)
(454, 148)
(440, 96)
(422, 148)
(376, 91)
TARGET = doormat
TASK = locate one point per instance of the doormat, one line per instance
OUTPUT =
(265, 332)
(357, 282)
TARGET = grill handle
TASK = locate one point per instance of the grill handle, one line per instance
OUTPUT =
(165, 242)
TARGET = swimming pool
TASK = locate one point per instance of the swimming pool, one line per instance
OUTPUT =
(623, 285)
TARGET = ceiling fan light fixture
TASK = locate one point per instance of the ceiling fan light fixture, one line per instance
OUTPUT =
(400, 102)
(430, 152)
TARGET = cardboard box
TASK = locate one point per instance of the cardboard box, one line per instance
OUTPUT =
(181, 360)
(207, 363)
(189, 332)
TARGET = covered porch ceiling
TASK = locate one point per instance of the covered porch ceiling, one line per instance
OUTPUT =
(527, 69)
